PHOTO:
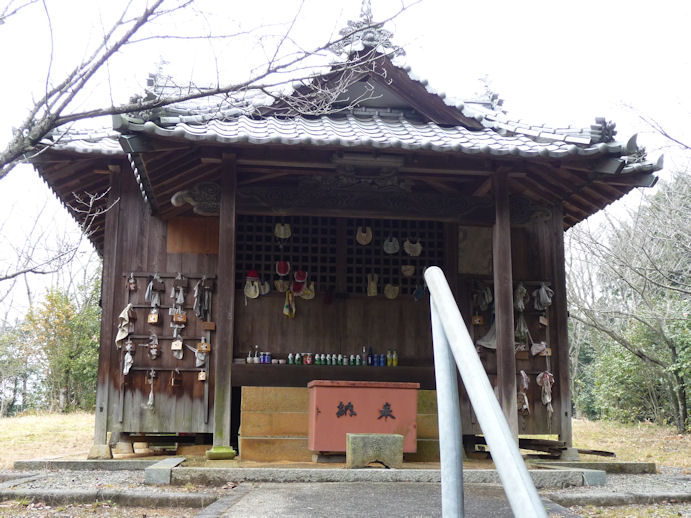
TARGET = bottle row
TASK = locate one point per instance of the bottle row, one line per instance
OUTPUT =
(390, 359)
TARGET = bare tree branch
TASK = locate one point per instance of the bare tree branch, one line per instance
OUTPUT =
(13, 8)
(51, 111)
(659, 128)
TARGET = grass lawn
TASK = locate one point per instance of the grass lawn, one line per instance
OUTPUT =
(54, 435)
(643, 442)
(44, 436)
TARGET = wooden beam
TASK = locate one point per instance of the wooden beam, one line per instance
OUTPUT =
(562, 374)
(628, 180)
(483, 188)
(439, 186)
(226, 305)
(264, 177)
(145, 143)
(110, 280)
(444, 171)
(415, 93)
(503, 301)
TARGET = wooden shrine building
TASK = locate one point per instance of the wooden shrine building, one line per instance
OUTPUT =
(253, 228)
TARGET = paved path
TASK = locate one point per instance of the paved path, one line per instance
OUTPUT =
(357, 499)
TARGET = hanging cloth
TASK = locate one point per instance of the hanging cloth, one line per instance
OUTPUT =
(523, 405)
(154, 349)
(363, 235)
(519, 297)
(128, 361)
(197, 306)
(391, 245)
(543, 297)
(490, 339)
(485, 299)
(412, 249)
(203, 296)
(546, 380)
(150, 380)
(152, 296)
(372, 281)
(289, 305)
(199, 356)
(123, 326)
(521, 334)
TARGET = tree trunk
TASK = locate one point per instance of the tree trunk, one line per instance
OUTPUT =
(682, 405)
(62, 399)
(24, 382)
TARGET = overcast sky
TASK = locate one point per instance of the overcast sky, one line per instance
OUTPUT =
(551, 61)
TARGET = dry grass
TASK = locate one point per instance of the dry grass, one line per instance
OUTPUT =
(665, 510)
(16, 508)
(643, 442)
(44, 436)
(54, 435)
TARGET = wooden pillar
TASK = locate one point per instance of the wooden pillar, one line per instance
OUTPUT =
(503, 301)
(451, 256)
(226, 306)
(109, 283)
(563, 374)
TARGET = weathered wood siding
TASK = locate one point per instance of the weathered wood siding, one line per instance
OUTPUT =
(138, 244)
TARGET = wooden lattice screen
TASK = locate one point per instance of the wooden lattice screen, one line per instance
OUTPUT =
(311, 248)
(372, 259)
(314, 247)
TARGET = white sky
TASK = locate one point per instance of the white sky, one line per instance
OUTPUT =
(551, 61)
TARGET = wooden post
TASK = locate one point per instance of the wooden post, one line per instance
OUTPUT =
(562, 374)
(109, 282)
(451, 256)
(226, 306)
(503, 302)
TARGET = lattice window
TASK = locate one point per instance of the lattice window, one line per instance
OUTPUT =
(372, 259)
(311, 248)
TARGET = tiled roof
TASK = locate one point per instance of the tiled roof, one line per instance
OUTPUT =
(98, 141)
(235, 118)
(248, 102)
(374, 131)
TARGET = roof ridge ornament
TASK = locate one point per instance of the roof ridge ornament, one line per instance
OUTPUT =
(366, 11)
(364, 33)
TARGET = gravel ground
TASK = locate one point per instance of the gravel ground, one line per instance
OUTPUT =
(669, 480)
(118, 480)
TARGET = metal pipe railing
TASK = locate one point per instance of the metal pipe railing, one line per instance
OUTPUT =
(450, 434)
(449, 333)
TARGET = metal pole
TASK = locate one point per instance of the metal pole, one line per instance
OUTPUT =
(519, 488)
(449, 414)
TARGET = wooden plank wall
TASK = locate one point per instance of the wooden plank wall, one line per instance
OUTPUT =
(142, 248)
(342, 326)
(533, 258)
